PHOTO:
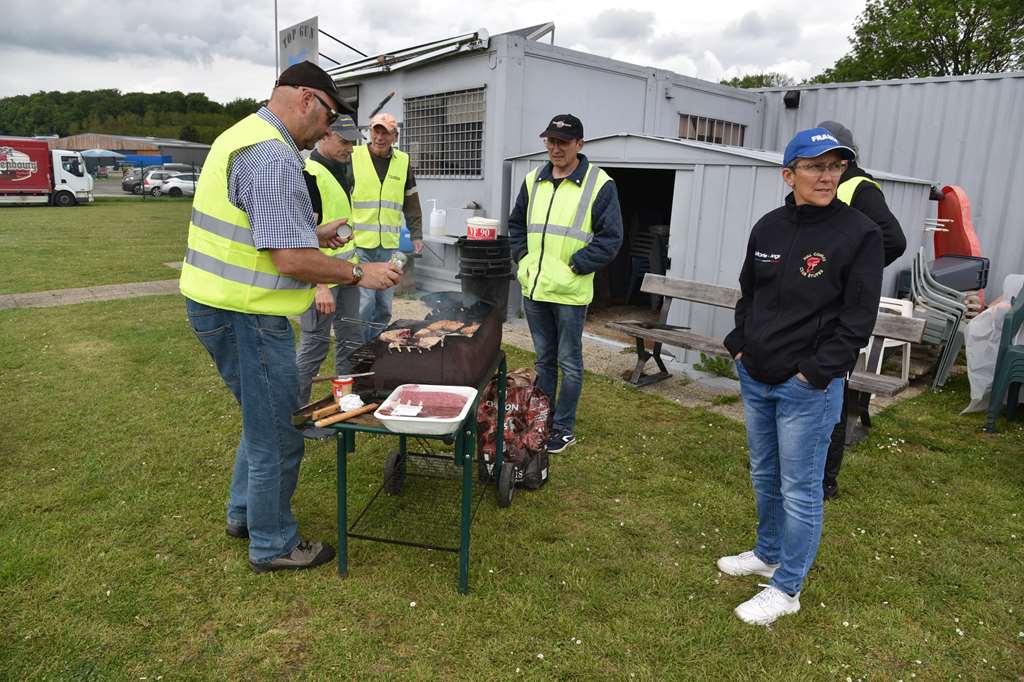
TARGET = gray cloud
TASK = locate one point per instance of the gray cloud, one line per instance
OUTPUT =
(117, 30)
(622, 24)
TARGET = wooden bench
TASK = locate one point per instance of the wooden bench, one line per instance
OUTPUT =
(887, 326)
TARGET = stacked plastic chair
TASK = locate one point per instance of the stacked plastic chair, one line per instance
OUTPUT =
(1009, 373)
(944, 310)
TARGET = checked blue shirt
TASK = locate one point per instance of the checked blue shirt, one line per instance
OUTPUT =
(265, 180)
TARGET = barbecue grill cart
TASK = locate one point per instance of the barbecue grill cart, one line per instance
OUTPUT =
(417, 505)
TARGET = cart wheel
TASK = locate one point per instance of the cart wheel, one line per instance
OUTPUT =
(394, 474)
(506, 484)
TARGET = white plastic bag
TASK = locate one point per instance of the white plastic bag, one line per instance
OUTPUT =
(982, 344)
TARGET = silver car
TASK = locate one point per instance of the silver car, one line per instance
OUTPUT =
(183, 184)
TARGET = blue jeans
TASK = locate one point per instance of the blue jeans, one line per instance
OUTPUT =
(557, 332)
(316, 337)
(255, 355)
(375, 306)
(789, 426)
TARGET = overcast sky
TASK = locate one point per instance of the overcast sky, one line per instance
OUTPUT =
(226, 48)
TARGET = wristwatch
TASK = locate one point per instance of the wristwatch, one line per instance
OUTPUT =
(357, 273)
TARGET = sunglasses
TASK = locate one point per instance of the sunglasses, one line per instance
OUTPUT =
(332, 115)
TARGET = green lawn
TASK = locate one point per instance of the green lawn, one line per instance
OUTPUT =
(112, 241)
(118, 443)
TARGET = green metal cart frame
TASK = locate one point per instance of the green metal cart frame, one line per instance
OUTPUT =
(465, 449)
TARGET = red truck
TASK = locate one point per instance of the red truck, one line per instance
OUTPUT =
(32, 173)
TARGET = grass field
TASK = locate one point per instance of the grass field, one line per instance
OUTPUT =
(108, 242)
(118, 443)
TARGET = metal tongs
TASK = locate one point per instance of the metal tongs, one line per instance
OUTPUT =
(342, 376)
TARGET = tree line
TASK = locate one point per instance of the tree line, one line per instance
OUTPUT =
(192, 116)
(921, 39)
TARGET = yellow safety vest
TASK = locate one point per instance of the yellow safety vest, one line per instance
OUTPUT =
(846, 190)
(558, 225)
(334, 206)
(377, 208)
(222, 267)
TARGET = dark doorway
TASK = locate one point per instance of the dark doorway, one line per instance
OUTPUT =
(645, 196)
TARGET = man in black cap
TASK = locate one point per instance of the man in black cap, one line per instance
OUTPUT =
(253, 257)
(329, 181)
(861, 191)
(566, 225)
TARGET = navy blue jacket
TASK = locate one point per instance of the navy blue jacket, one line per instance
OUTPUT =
(605, 222)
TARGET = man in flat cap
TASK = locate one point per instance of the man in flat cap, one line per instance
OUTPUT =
(337, 307)
(252, 259)
(566, 225)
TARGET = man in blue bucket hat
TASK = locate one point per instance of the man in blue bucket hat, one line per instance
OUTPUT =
(810, 285)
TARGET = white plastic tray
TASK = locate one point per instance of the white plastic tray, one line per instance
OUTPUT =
(432, 426)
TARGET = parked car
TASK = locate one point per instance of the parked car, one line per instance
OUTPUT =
(132, 180)
(179, 185)
(153, 179)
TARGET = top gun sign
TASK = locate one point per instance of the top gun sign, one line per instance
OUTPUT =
(299, 43)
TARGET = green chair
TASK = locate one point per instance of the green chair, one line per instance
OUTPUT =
(1009, 374)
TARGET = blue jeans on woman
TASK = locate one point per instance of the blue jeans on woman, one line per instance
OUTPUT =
(255, 355)
(557, 332)
(375, 305)
(789, 427)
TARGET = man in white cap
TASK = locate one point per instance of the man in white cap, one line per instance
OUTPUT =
(384, 193)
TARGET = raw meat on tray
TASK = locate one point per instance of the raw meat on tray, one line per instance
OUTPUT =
(433, 404)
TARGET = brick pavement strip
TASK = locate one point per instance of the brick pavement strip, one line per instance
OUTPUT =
(106, 292)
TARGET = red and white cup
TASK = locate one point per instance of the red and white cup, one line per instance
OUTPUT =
(341, 387)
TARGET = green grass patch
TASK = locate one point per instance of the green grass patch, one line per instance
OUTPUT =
(118, 443)
(725, 399)
(713, 364)
(108, 242)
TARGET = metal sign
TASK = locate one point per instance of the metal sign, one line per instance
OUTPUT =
(298, 43)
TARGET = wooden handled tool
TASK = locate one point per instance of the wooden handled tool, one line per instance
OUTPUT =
(324, 411)
(345, 415)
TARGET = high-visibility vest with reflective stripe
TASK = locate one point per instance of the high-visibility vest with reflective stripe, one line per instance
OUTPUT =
(558, 225)
(376, 207)
(222, 267)
(846, 190)
(334, 206)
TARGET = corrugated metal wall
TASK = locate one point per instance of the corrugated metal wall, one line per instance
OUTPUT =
(715, 206)
(966, 131)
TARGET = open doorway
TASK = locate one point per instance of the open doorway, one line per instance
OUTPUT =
(645, 197)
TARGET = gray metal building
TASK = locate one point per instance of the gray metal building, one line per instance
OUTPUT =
(715, 193)
(467, 103)
(966, 131)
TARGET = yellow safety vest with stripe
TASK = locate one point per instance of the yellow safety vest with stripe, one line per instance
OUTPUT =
(846, 190)
(223, 268)
(334, 206)
(558, 224)
(376, 207)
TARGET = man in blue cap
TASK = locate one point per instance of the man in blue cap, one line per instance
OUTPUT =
(810, 285)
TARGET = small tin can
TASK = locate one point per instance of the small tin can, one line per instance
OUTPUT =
(345, 232)
(341, 387)
(399, 259)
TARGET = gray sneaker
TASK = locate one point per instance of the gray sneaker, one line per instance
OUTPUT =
(304, 555)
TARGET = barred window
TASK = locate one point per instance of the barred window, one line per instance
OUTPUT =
(705, 129)
(444, 134)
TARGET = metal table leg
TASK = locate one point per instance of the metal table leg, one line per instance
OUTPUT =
(346, 441)
(464, 449)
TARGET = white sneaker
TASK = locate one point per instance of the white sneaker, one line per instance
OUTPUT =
(766, 606)
(746, 564)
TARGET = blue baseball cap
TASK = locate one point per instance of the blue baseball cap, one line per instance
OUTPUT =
(813, 142)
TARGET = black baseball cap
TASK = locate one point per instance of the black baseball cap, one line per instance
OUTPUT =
(564, 127)
(309, 75)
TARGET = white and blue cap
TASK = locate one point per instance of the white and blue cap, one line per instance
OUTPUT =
(813, 142)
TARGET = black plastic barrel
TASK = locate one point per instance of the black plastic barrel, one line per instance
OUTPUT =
(485, 270)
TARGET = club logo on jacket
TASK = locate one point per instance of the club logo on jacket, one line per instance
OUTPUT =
(813, 265)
